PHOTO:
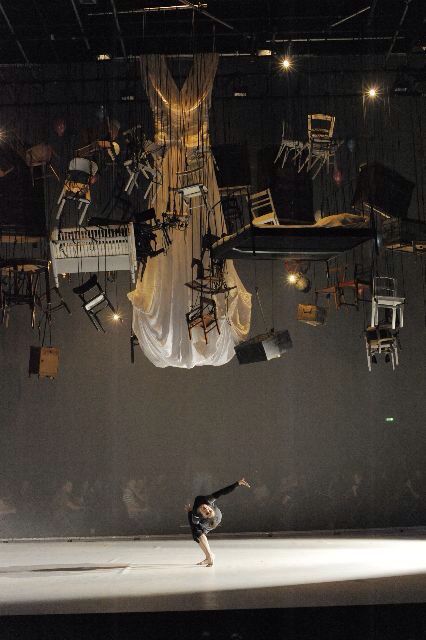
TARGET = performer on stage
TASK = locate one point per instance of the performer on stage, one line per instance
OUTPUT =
(204, 516)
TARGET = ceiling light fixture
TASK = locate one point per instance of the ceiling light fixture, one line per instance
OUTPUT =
(372, 92)
(302, 283)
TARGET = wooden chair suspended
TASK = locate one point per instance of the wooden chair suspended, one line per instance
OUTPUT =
(40, 157)
(360, 285)
(20, 284)
(382, 340)
(321, 147)
(262, 208)
(203, 315)
(290, 148)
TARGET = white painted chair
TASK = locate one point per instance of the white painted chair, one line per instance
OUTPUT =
(135, 167)
(194, 196)
(77, 185)
(290, 149)
(139, 162)
(385, 297)
(156, 150)
(262, 208)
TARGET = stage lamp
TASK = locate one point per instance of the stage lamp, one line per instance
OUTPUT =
(299, 281)
(286, 64)
(302, 283)
(372, 93)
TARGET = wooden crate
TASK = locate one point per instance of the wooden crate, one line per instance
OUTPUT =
(44, 362)
(311, 314)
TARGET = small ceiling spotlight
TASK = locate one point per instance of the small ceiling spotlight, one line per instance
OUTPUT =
(286, 64)
(302, 283)
(296, 270)
(116, 317)
(372, 93)
(103, 56)
(299, 281)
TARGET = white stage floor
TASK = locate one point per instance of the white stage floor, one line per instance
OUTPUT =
(161, 575)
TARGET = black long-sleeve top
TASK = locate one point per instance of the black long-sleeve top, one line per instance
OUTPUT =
(200, 525)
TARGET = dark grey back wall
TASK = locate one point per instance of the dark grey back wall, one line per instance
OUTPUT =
(298, 428)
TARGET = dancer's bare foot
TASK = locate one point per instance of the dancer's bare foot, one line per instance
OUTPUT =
(207, 562)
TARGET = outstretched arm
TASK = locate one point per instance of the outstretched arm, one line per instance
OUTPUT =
(223, 492)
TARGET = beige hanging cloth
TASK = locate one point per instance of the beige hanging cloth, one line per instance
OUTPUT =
(161, 299)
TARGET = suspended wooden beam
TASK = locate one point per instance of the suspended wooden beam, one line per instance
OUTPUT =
(353, 15)
(195, 7)
(371, 14)
(117, 26)
(173, 7)
(401, 22)
(80, 24)
(12, 31)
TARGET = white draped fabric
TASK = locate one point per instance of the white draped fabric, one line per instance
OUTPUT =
(161, 299)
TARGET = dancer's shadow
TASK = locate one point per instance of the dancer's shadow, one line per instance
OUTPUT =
(55, 567)
(164, 565)
(86, 567)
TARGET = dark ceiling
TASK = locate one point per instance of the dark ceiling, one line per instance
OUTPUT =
(35, 31)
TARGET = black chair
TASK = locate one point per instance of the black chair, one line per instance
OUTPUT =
(95, 300)
(134, 342)
(232, 213)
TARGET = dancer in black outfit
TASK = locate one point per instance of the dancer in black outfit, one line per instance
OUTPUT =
(204, 516)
